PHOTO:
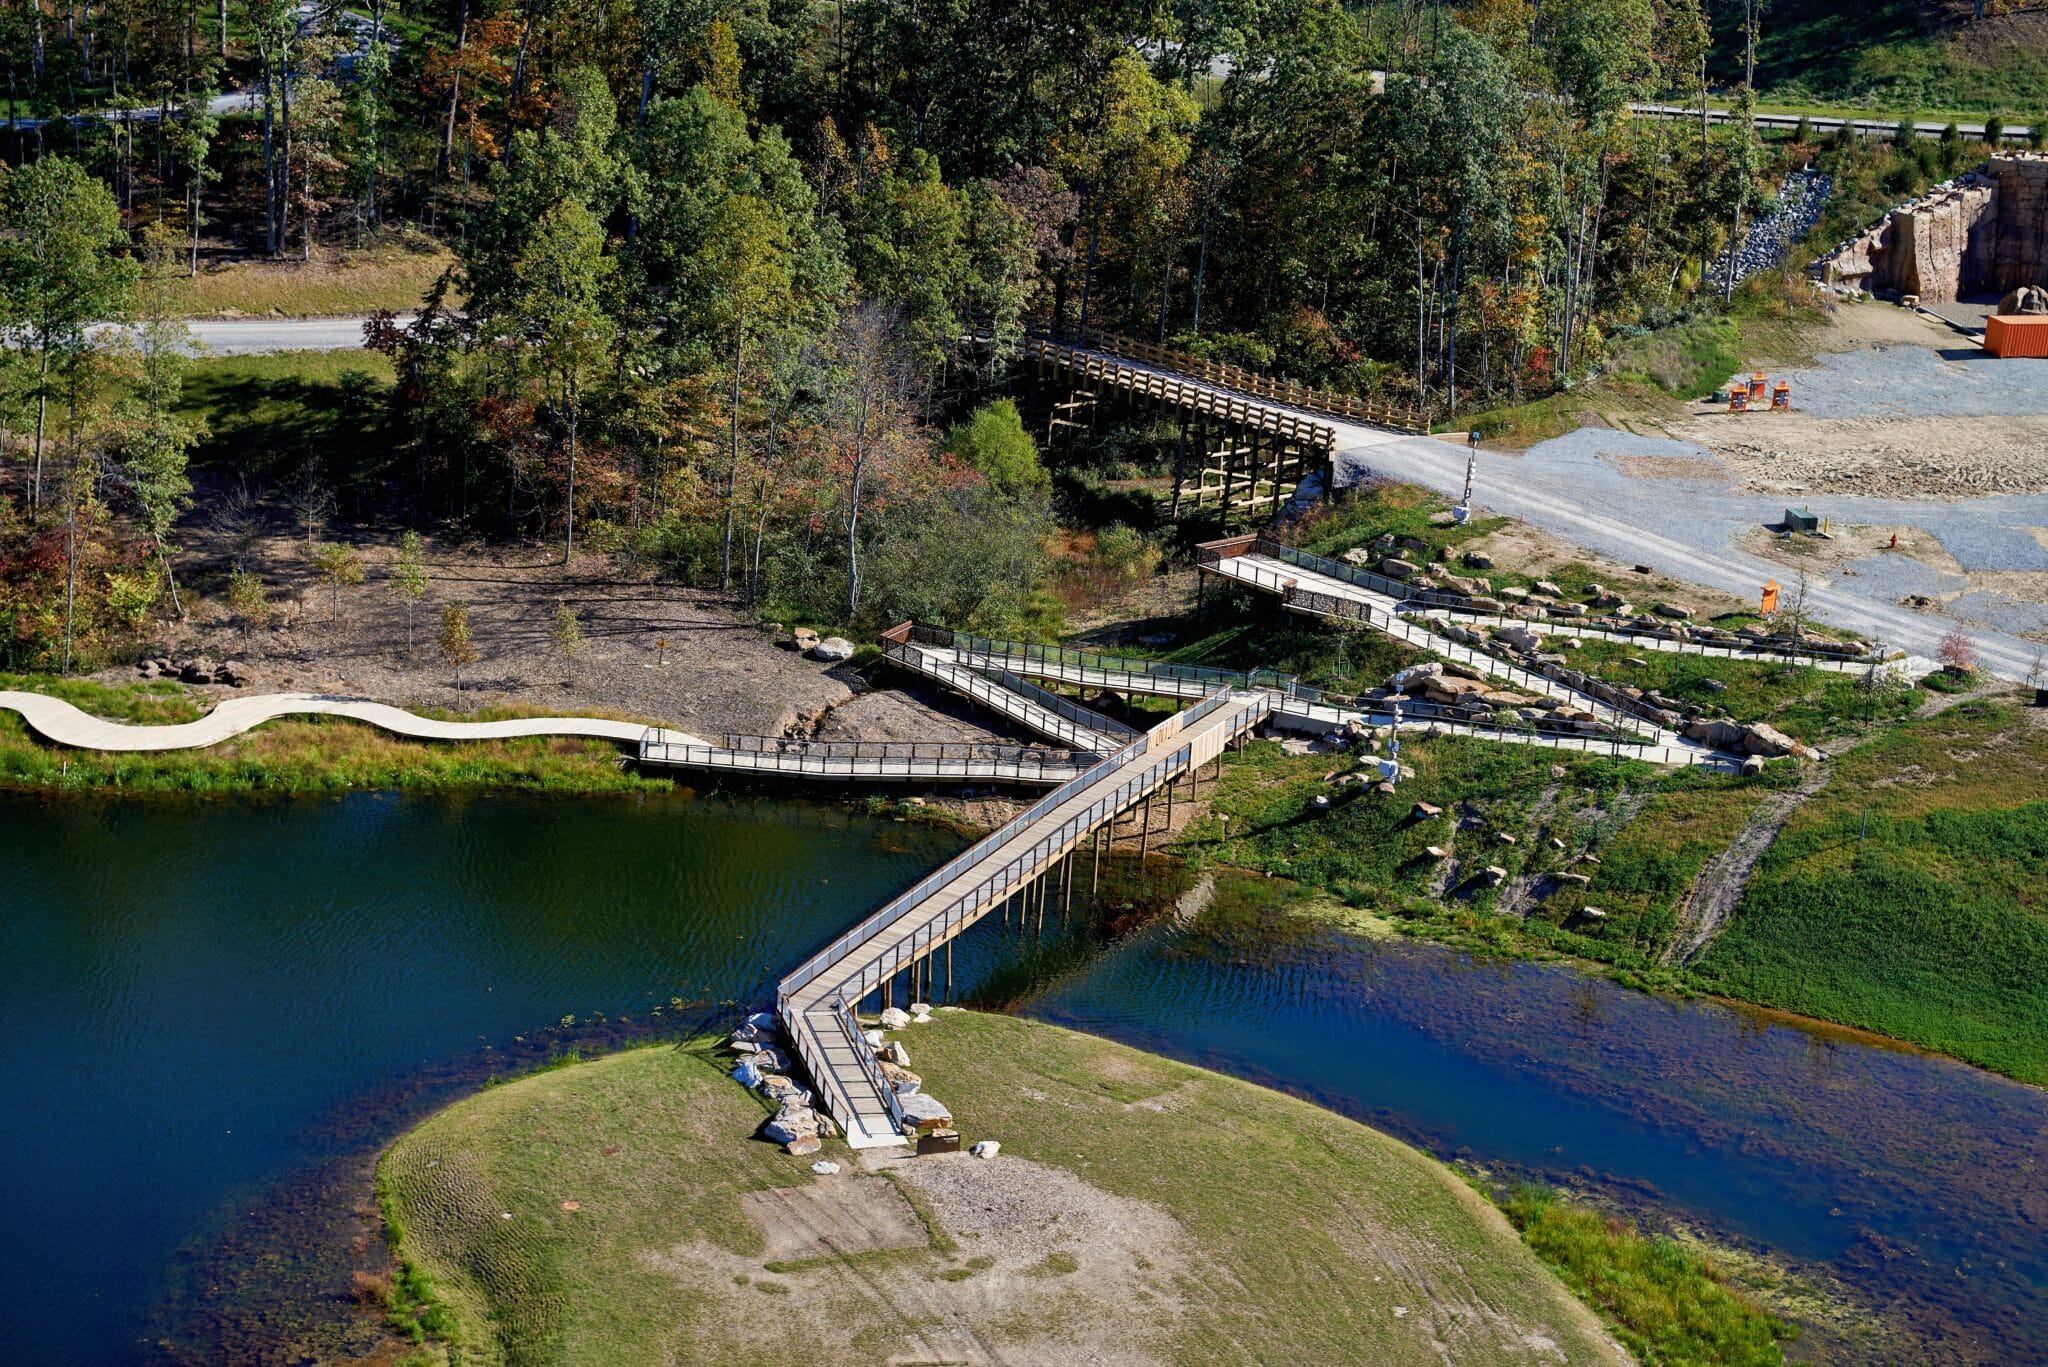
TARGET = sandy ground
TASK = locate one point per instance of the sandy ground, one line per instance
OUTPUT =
(1897, 457)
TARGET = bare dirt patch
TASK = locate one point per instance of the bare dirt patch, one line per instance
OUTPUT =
(1893, 457)
(1540, 554)
(848, 1214)
(718, 672)
(1048, 1269)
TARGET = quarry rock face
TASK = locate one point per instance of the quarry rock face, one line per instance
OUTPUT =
(1987, 230)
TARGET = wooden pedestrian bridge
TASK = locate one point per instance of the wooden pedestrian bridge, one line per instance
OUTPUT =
(1028, 858)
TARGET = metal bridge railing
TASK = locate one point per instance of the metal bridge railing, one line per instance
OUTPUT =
(1000, 879)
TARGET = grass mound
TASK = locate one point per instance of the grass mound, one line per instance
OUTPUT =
(629, 1184)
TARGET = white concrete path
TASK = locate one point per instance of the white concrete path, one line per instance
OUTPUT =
(59, 722)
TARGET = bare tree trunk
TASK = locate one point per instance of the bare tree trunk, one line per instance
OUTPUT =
(732, 464)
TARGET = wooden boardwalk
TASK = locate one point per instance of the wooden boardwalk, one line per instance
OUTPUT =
(1024, 859)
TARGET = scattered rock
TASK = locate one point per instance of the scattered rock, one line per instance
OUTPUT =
(1752, 766)
(1358, 556)
(896, 1053)
(894, 1018)
(1546, 588)
(804, 1145)
(1493, 876)
(1593, 913)
(987, 1148)
(921, 1111)
(1478, 560)
(1557, 771)
(1674, 611)
(832, 649)
(1714, 685)
(1427, 811)
(1396, 568)
(825, 1167)
(802, 640)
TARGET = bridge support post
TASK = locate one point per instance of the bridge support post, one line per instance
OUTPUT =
(1067, 890)
(949, 970)
(1145, 836)
(1095, 865)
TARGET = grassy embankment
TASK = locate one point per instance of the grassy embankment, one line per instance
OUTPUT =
(1651, 832)
(1336, 1242)
(1927, 925)
(336, 285)
(313, 755)
(1891, 55)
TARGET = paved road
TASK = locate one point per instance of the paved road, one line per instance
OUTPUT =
(2016, 134)
(251, 336)
(1687, 528)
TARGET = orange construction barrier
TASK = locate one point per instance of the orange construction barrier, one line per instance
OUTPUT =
(1758, 384)
(1781, 397)
(2012, 334)
(1738, 400)
(1770, 598)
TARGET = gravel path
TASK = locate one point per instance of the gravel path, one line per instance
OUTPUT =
(1687, 526)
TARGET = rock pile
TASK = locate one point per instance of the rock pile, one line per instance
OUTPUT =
(1773, 234)
(762, 1065)
(198, 670)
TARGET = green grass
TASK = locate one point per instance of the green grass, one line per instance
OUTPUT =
(1806, 703)
(1319, 1226)
(393, 277)
(1668, 1303)
(265, 415)
(1687, 361)
(152, 702)
(1889, 54)
(1652, 833)
(1927, 924)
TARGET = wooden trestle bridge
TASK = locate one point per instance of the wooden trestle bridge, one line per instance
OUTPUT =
(1247, 442)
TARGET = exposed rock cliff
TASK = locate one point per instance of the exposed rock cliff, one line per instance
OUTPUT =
(1985, 231)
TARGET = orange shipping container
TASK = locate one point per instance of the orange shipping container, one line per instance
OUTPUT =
(2017, 335)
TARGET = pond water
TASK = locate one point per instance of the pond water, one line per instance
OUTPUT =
(212, 1015)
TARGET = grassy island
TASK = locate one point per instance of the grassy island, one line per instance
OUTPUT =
(1140, 1209)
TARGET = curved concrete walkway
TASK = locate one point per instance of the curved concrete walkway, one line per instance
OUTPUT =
(59, 722)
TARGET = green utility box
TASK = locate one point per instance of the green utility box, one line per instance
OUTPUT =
(1801, 520)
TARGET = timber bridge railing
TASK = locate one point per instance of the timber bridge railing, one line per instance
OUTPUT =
(1351, 408)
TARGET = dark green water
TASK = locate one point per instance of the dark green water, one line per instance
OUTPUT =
(212, 1015)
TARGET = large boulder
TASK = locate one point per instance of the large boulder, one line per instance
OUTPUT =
(1758, 738)
(1722, 735)
(802, 640)
(833, 649)
(2025, 299)
(1413, 677)
(894, 1018)
(1396, 568)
